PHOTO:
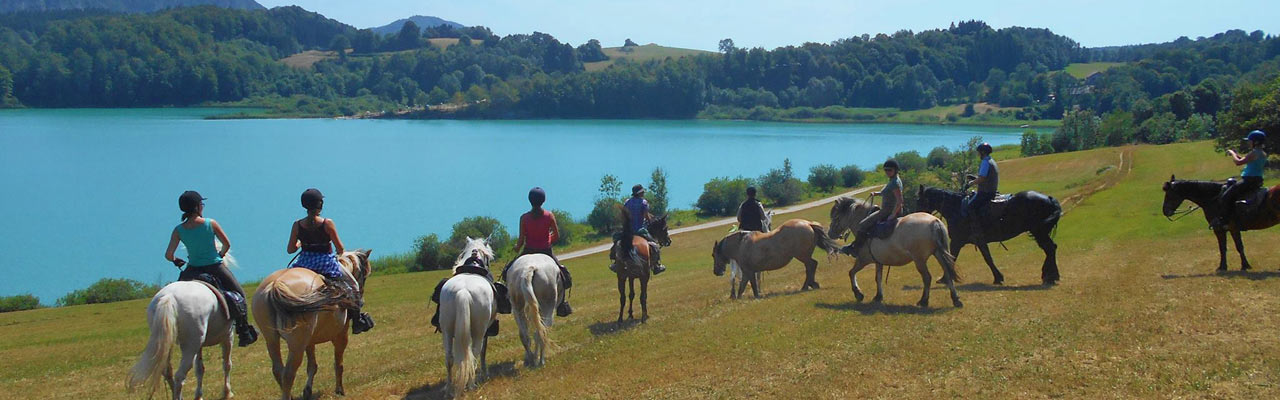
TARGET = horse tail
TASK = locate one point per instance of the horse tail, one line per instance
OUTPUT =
(820, 238)
(465, 359)
(942, 252)
(286, 306)
(1054, 216)
(624, 238)
(533, 311)
(162, 315)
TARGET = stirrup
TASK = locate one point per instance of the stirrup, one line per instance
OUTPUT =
(246, 336)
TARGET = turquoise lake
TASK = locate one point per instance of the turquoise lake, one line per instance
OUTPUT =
(93, 193)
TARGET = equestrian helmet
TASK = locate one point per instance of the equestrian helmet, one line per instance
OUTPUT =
(891, 164)
(984, 148)
(189, 201)
(1257, 136)
(312, 199)
(537, 196)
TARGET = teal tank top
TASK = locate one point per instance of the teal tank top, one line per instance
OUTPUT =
(201, 250)
(1254, 168)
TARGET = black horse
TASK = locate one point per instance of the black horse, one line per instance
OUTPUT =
(1028, 211)
(1205, 194)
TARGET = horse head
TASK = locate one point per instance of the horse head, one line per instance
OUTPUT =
(923, 202)
(658, 229)
(1171, 197)
(846, 213)
(475, 247)
(362, 269)
(720, 261)
(722, 255)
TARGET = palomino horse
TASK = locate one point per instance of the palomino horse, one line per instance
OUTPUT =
(534, 282)
(294, 304)
(467, 308)
(915, 238)
(1027, 211)
(186, 312)
(735, 273)
(755, 252)
(1205, 195)
(629, 268)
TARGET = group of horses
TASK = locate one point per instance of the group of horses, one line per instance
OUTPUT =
(292, 308)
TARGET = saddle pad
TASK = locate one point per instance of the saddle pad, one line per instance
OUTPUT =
(222, 300)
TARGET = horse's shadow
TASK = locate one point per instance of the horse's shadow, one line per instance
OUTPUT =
(604, 328)
(439, 390)
(1256, 276)
(986, 287)
(871, 308)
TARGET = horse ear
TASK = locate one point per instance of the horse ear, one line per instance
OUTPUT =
(1172, 178)
(367, 252)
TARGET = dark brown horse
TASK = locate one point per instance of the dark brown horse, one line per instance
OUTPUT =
(630, 269)
(1025, 212)
(1205, 195)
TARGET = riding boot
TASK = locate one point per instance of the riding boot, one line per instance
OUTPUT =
(656, 252)
(435, 298)
(360, 322)
(563, 309)
(245, 333)
(858, 238)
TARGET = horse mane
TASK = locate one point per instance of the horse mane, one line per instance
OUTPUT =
(1198, 187)
(477, 245)
(843, 205)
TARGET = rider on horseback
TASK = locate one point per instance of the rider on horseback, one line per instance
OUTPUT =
(751, 213)
(198, 233)
(317, 237)
(890, 207)
(1251, 177)
(538, 231)
(988, 182)
(638, 209)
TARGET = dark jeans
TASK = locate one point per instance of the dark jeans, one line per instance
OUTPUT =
(1247, 185)
(978, 202)
(229, 283)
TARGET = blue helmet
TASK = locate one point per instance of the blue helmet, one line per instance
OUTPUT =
(1258, 136)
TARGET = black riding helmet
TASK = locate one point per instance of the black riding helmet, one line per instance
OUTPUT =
(537, 196)
(984, 148)
(751, 191)
(637, 189)
(189, 201)
(312, 199)
(891, 164)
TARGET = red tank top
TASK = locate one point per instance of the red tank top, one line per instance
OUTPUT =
(537, 230)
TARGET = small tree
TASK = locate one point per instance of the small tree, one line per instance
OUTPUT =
(604, 216)
(19, 303)
(911, 161)
(823, 177)
(721, 196)
(939, 157)
(657, 194)
(108, 290)
(479, 228)
(610, 187)
(1117, 127)
(781, 186)
(851, 176)
(340, 44)
(431, 254)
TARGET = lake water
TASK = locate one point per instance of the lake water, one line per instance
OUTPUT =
(93, 193)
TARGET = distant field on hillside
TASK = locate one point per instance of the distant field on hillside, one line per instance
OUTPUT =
(1083, 70)
(640, 53)
(309, 58)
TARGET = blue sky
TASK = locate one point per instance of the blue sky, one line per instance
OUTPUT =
(750, 23)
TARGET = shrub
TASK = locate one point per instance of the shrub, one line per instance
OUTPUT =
(722, 196)
(19, 303)
(107, 290)
(968, 110)
(781, 186)
(823, 177)
(432, 254)
(657, 193)
(477, 228)
(569, 229)
(395, 263)
(604, 216)
(939, 157)
(1034, 144)
(851, 176)
(911, 161)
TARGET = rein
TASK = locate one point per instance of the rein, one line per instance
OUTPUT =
(1179, 214)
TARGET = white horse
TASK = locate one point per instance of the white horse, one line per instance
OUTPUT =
(188, 314)
(467, 308)
(534, 282)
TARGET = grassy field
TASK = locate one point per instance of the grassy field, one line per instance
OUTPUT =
(1083, 70)
(640, 54)
(1139, 313)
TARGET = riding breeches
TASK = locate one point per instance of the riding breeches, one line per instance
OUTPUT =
(219, 271)
(1247, 185)
(871, 220)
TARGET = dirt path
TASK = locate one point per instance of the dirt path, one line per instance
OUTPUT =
(723, 222)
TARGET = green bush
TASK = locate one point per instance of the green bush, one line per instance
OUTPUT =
(781, 186)
(852, 176)
(657, 193)
(569, 229)
(108, 290)
(604, 216)
(431, 254)
(394, 263)
(823, 177)
(19, 303)
(939, 157)
(1034, 144)
(722, 196)
(479, 228)
(911, 161)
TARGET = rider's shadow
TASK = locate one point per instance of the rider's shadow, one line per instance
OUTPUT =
(986, 287)
(438, 391)
(1256, 276)
(869, 308)
(604, 328)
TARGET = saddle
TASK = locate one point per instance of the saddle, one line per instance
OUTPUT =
(884, 229)
(474, 266)
(225, 298)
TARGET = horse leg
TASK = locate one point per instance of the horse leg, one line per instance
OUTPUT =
(622, 295)
(631, 299)
(1244, 262)
(168, 373)
(880, 284)
(810, 268)
(644, 298)
(1222, 250)
(522, 323)
(188, 358)
(297, 349)
(199, 375)
(226, 370)
(339, 353)
(484, 364)
(986, 255)
(312, 367)
(742, 286)
(1048, 271)
(755, 284)
(926, 279)
(853, 280)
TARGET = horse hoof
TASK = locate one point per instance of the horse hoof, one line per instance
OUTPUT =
(1246, 267)
(998, 282)
(1222, 268)
(955, 301)
(815, 286)
(923, 304)
(858, 296)
(644, 319)
(877, 299)
(340, 392)
(1050, 283)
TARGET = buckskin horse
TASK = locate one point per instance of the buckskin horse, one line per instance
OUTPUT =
(914, 238)
(295, 304)
(1205, 195)
(631, 268)
(755, 252)
(1023, 212)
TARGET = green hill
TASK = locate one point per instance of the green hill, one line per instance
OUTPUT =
(1139, 313)
(127, 6)
(640, 54)
(1083, 70)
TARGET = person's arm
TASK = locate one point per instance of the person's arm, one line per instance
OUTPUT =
(1242, 160)
(555, 230)
(333, 235)
(740, 207)
(222, 237)
(293, 239)
(519, 237)
(897, 206)
(173, 246)
(983, 171)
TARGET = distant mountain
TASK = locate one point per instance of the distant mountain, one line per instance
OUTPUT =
(127, 6)
(422, 21)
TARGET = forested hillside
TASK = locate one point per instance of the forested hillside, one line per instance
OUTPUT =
(126, 6)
